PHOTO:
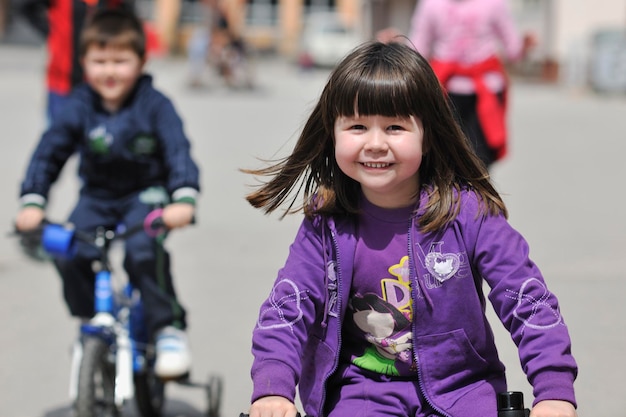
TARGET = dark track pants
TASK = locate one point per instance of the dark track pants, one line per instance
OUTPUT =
(146, 262)
(464, 106)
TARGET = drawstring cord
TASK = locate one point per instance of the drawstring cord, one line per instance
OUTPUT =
(324, 323)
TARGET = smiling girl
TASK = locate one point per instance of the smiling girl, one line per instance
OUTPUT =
(379, 309)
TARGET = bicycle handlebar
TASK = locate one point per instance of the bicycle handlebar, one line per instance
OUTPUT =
(510, 404)
(60, 239)
(248, 415)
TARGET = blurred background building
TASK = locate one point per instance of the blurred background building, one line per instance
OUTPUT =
(580, 41)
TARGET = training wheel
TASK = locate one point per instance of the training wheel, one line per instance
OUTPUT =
(214, 396)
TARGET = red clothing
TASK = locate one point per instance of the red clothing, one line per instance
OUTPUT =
(66, 19)
(491, 112)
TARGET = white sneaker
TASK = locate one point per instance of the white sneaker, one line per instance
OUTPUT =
(173, 358)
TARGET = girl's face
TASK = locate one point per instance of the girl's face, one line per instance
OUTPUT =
(383, 154)
(112, 72)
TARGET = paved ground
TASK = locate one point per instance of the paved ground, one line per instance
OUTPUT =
(562, 182)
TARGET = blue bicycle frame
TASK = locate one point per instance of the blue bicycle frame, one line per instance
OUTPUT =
(118, 318)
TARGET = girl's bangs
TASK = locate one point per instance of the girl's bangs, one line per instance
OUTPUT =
(390, 95)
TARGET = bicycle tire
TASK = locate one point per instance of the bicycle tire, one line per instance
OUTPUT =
(96, 381)
(214, 396)
(149, 394)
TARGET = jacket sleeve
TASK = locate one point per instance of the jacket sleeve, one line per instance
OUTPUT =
(55, 147)
(287, 316)
(524, 304)
(183, 173)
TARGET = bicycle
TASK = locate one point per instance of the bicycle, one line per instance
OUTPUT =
(112, 362)
(510, 404)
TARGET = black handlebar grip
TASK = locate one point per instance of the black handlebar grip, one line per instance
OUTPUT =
(511, 404)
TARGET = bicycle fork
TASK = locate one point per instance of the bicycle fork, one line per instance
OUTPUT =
(116, 333)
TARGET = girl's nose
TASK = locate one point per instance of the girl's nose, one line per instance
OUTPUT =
(376, 142)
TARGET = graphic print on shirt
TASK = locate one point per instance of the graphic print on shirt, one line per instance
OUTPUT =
(285, 308)
(536, 305)
(100, 140)
(386, 323)
(143, 145)
(442, 266)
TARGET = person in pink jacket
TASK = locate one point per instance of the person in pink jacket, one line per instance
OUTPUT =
(468, 43)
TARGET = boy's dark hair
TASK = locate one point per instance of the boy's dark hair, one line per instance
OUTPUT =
(390, 80)
(119, 28)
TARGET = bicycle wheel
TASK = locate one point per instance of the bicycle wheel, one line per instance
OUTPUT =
(214, 396)
(149, 394)
(96, 381)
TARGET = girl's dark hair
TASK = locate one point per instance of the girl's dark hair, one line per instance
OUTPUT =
(118, 27)
(378, 79)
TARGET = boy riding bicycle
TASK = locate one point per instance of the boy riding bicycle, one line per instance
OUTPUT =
(134, 156)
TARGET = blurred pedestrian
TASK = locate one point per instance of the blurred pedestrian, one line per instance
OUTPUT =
(469, 43)
(202, 40)
(216, 44)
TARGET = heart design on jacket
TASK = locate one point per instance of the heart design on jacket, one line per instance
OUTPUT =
(442, 266)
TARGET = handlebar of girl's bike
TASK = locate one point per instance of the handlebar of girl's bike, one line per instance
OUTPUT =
(248, 415)
(510, 404)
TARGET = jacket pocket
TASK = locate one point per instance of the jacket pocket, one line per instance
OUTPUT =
(450, 366)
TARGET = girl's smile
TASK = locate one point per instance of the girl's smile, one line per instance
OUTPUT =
(375, 165)
(383, 154)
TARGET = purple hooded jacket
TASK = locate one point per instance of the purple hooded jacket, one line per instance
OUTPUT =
(298, 335)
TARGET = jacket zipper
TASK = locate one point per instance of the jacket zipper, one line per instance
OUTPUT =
(339, 341)
(415, 281)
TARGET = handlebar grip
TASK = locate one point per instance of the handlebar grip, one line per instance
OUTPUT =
(58, 240)
(153, 223)
(511, 404)
(248, 415)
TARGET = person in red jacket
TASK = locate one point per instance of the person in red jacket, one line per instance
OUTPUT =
(468, 43)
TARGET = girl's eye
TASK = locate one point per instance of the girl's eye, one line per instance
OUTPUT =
(357, 127)
(395, 127)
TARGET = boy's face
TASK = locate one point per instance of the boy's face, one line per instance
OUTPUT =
(112, 72)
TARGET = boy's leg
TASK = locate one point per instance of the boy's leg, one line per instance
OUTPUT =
(148, 266)
(77, 273)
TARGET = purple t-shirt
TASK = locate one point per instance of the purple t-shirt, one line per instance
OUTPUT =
(377, 332)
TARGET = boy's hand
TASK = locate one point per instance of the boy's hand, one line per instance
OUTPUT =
(553, 408)
(178, 215)
(273, 406)
(29, 218)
